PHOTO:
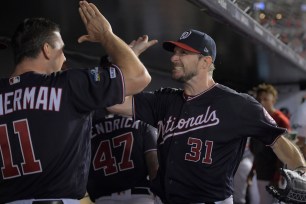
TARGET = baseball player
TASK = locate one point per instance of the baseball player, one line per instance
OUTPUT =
(123, 158)
(45, 113)
(266, 164)
(142, 151)
(204, 127)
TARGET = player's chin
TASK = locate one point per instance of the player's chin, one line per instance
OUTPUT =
(176, 73)
(178, 77)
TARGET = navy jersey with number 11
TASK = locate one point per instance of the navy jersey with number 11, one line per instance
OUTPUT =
(45, 123)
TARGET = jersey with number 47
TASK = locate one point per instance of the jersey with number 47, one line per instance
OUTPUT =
(119, 145)
(202, 138)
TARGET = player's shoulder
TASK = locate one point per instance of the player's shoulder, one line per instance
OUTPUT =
(76, 75)
(72, 71)
(231, 93)
(168, 91)
(161, 94)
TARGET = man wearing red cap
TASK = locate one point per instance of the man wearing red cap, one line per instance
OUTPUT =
(204, 127)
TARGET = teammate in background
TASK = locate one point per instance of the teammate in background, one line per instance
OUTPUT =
(241, 183)
(266, 163)
(298, 120)
(286, 112)
(123, 153)
(203, 128)
(123, 158)
(245, 180)
(45, 113)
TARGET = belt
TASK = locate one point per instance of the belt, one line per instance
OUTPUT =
(205, 203)
(48, 202)
(140, 191)
(134, 191)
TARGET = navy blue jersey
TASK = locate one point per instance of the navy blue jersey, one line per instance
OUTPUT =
(202, 138)
(118, 162)
(45, 123)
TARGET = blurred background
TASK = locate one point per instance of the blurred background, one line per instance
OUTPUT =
(257, 41)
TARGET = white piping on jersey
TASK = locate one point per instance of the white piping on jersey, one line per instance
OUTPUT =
(188, 98)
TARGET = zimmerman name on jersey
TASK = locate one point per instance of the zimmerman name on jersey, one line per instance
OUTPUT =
(32, 98)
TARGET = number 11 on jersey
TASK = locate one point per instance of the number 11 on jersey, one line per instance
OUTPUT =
(30, 165)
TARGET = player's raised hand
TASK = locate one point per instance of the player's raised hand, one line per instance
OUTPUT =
(141, 44)
(96, 24)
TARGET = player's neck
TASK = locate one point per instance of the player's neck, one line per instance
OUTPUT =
(30, 65)
(193, 88)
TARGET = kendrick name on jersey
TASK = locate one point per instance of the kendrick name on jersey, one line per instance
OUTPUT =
(107, 126)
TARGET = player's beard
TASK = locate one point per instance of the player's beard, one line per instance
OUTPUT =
(186, 76)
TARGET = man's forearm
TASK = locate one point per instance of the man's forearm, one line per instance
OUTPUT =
(288, 153)
(135, 74)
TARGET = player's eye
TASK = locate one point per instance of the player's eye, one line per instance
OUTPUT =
(185, 53)
(182, 53)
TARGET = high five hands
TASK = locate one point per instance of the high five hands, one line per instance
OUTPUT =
(141, 44)
(96, 24)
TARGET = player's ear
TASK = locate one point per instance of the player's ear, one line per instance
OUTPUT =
(207, 60)
(46, 50)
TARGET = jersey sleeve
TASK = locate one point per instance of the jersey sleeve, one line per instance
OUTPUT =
(96, 88)
(151, 107)
(149, 138)
(144, 106)
(260, 125)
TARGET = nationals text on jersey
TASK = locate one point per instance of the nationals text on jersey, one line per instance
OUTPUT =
(207, 119)
(43, 98)
(112, 125)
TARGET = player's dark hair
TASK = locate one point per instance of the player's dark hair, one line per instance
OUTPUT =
(30, 37)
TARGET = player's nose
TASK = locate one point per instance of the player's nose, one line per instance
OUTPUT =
(174, 57)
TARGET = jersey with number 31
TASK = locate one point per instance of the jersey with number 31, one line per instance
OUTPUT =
(202, 138)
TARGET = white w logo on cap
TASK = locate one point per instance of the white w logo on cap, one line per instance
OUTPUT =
(185, 35)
